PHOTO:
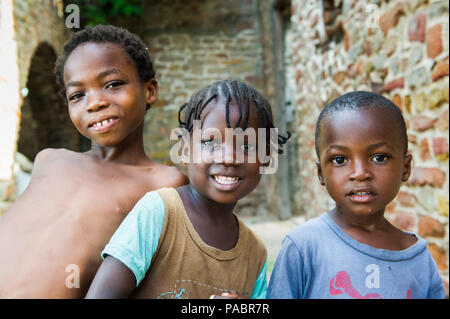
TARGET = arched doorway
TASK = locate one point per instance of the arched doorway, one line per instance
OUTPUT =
(45, 121)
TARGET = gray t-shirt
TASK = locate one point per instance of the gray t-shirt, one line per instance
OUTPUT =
(318, 260)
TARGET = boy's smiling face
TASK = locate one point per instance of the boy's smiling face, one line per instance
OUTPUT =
(224, 179)
(106, 98)
(362, 160)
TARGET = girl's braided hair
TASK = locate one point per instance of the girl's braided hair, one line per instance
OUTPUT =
(238, 91)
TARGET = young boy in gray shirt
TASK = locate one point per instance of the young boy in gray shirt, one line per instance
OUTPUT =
(353, 251)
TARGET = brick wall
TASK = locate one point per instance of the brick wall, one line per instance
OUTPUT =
(404, 56)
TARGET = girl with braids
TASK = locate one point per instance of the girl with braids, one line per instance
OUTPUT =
(186, 242)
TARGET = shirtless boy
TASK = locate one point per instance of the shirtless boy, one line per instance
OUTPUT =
(52, 236)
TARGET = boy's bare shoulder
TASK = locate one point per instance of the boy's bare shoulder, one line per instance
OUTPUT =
(169, 176)
(52, 155)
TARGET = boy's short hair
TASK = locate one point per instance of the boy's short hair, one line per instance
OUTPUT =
(242, 93)
(362, 99)
(131, 43)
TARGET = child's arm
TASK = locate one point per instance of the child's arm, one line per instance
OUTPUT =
(113, 280)
(130, 250)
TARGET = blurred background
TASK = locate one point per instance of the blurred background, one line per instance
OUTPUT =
(301, 53)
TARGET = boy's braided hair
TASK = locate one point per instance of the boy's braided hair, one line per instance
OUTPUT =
(242, 94)
(131, 43)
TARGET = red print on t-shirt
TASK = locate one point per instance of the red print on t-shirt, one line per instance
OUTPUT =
(343, 281)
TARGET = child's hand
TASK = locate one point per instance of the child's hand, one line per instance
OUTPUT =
(232, 294)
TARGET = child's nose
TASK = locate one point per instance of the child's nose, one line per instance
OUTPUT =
(227, 155)
(360, 170)
(96, 101)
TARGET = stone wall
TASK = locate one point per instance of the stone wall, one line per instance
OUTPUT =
(34, 24)
(400, 50)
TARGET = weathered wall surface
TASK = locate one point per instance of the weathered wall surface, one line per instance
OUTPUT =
(404, 56)
(35, 23)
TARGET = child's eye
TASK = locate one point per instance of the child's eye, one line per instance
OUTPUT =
(75, 96)
(114, 84)
(248, 147)
(379, 158)
(210, 144)
(338, 160)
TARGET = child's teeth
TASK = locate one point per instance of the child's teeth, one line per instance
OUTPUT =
(104, 122)
(226, 179)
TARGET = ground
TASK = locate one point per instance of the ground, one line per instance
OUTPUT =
(272, 232)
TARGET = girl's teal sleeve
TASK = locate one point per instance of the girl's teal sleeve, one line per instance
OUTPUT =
(260, 288)
(136, 239)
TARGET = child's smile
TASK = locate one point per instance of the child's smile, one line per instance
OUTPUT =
(362, 160)
(104, 124)
(226, 182)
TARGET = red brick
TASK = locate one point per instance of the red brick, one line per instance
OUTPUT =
(394, 84)
(422, 122)
(424, 150)
(298, 75)
(360, 67)
(407, 199)
(439, 256)
(441, 69)
(430, 227)
(367, 50)
(346, 40)
(391, 17)
(434, 41)
(404, 221)
(440, 146)
(427, 176)
(351, 72)
(417, 27)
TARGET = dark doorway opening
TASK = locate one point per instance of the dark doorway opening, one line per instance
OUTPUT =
(45, 121)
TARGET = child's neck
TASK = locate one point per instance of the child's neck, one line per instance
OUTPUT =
(366, 223)
(214, 222)
(118, 155)
(374, 230)
(208, 208)
(128, 152)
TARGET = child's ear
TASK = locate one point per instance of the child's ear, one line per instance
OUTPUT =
(319, 173)
(407, 162)
(151, 87)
